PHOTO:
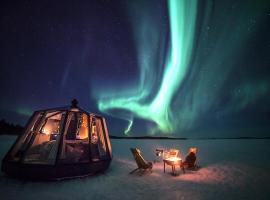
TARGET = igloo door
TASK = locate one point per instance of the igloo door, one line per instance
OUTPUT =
(99, 146)
(75, 146)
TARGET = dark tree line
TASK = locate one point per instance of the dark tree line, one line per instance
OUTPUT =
(9, 128)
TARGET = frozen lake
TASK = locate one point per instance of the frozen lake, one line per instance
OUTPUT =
(230, 169)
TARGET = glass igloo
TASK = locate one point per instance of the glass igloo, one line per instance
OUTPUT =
(60, 143)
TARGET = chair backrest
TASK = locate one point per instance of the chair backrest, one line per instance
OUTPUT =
(138, 157)
(193, 149)
(191, 157)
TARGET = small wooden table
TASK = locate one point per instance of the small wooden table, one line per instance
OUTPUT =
(174, 161)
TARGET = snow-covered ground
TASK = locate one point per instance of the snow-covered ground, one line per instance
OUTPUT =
(230, 169)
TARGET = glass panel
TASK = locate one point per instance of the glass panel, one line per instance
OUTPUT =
(76, 141)
(105, 130)
(94, 141)
(94, 135)
(101, 142)
(98, 146)
(44, 145)
(20, 147)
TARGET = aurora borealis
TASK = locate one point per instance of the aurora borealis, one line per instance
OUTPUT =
(151, 67)
(182, 22)
(194, 102)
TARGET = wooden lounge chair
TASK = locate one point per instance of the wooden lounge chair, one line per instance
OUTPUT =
(191, 159)
(142, 164)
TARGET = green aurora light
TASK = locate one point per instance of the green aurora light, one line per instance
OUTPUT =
(187, 79)
(182, 22)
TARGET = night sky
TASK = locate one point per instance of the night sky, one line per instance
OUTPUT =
(155, 67)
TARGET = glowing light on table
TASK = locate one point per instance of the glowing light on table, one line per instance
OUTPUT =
(173, 159)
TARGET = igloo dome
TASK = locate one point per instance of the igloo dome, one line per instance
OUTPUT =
(60, 143)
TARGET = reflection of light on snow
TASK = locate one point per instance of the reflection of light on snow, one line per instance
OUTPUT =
(155, 174)
(216, 174)
(224, 174)
(206, 175)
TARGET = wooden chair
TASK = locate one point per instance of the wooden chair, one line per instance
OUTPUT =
(191, 159)
(141, 163)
